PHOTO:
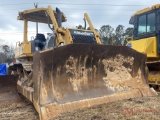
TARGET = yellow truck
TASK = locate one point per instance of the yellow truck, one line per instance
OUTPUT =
(146, 39)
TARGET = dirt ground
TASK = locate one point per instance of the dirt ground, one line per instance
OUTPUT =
(22, 110)
(147, 108)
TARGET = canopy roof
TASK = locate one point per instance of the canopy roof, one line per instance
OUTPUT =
(38, 15)
(153, 7)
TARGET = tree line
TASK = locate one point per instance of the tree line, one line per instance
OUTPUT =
(6, 54)
(111, 36)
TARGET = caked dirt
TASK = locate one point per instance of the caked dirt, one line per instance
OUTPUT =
(147, 108)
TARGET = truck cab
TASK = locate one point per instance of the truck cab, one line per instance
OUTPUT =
(146, 33)
(146, 39)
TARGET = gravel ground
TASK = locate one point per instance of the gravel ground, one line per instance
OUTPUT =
(21, 110)
(147, 108)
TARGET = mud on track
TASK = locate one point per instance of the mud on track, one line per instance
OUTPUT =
(147, 108)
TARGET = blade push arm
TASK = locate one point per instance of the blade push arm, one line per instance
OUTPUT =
(86, 17)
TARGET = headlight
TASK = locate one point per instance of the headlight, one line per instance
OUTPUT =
(129, 45)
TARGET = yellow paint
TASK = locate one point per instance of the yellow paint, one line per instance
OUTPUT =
(147, 9)
(147, 46)
(27, 48)
(154, 78)
(23, 50)
(62, 34)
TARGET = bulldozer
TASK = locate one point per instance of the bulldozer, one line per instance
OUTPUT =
(72, 69)
(146, 39)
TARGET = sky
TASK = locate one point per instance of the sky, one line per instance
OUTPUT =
(101, 12)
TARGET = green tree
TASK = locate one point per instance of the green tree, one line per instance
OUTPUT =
(6, 54)
(2, 57)
(83, 28)
(128, 33)
(80, 27)
(88, 28)
(119, 37)
(106, 34)
(6, 49)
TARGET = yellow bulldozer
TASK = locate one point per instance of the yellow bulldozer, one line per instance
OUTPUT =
(72, 70)
(146, 39)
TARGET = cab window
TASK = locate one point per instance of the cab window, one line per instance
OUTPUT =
(146, 23)
(142, 24)
(151, 22)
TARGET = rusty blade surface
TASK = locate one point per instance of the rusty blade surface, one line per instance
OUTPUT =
(8, 88)
(82, 75)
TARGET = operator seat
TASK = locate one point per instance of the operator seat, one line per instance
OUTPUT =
(40, 41)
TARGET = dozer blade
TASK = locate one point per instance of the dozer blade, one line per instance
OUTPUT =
(8, 88)
(82, 75)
